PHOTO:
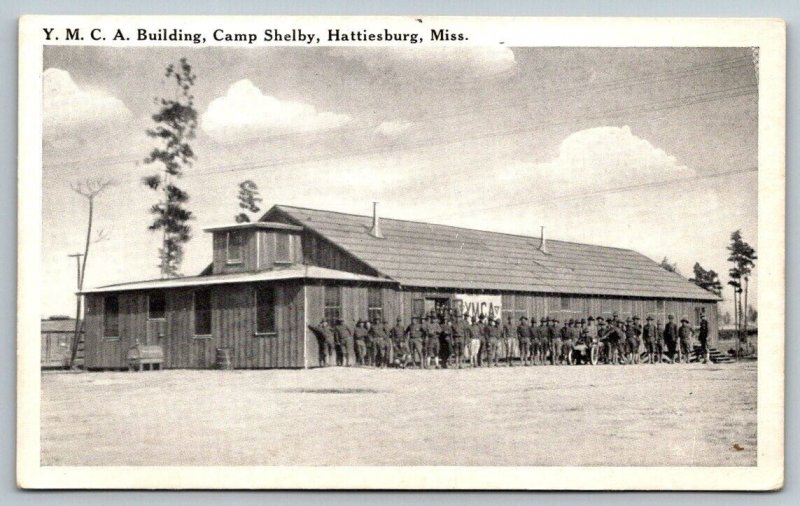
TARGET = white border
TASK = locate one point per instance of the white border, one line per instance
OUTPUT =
(767, 34)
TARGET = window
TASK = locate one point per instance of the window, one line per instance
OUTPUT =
(418, 308)
(111, 316)
(156, 306)
(202, 312)
(234, 247)
(374, 303)
(283, 248)
(333, 303)
(565, 303)
(265, 310)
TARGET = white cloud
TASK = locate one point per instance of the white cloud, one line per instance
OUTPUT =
(67, 107)
(246, 113)
(393, 128)
(433, 63)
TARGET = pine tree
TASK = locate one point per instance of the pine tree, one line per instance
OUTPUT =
(249, 200)
(706, 279)
(743, 258)
(175, 124)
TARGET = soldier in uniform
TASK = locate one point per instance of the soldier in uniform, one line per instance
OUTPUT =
(541, 341)
(685, 333)
(416, 334)
(509, 340)
(660, 341)
(671, 337)
(631, 343)
(360, 335)
(473, 341)
(650, 337)
(567, 341)
(458, 333)
(377, 337)
(432, 331)
(344, 335)
(552, 335)
(369, 344)
(399, 343)
(493, 335)
(637, 332)
(614, 337)
(703, 338)
(446, 341)
(524, 335)
(326, 340)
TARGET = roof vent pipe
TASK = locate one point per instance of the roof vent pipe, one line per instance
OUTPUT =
(375, 231)
(543, 243)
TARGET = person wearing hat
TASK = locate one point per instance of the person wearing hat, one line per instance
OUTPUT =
(445, 341)
(493, 335)
(399, 343)
(614, 336)
(671, 337)
(360, 337)
(458, 333)
(524, 336)
(703, 338)
(509, 341)
(637, 332)
(344, 339)
(379, 346)
(474, 334)
(569, 340)
(327, 342)
(432, 331)
(631, 342)
(685, 333)
(556, 341)
(649, 335)
(416, 335)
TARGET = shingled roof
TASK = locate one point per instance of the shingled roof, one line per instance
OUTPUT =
(427, 255)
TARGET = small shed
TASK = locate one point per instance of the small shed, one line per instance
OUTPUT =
(57, 335)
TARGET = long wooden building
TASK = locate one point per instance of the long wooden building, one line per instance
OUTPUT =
(269, 280)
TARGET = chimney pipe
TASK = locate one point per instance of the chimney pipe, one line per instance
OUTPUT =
(375, 231)
(543, 243)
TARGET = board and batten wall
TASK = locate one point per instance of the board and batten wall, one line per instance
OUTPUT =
(233, 317)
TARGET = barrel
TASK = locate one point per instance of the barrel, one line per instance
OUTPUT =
(224, 359)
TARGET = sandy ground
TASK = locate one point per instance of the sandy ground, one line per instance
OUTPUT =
(691, 415)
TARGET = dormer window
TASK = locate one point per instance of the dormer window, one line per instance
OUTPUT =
(234, 247)
(283, 248)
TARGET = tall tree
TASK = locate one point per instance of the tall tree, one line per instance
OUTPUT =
(752, 314)
(249, 200)
(89, 189)
(175, 124)
(743, 258)
(706, 279)
(671, 267)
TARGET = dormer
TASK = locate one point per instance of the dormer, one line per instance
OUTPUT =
(249, 247)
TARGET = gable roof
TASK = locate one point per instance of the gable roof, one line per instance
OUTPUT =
(427, 255)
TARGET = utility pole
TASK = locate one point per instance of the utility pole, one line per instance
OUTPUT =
(78, 296)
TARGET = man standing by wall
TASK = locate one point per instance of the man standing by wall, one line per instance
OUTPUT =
(524, 335)
(650, 336)
(685, 334)
(344, 335)
(510, 339)
(671, 337)
(703, 337)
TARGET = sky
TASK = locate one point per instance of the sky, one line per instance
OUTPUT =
(649, 149)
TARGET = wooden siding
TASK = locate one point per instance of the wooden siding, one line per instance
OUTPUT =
(232, 326)
(249, 253)
(322, 253)
(267, 248)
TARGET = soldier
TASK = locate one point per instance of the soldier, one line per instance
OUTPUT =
(416, 334)
(473, 340)
(614, 337)
(660, 341)
(445, 341)
(637, 332)
(552, 334)
(360, 335)
(378, 338)
(458, 333)
(326, 341)
(703, 337)
(685, 333)
(671, 337)
(399, 343)
(369, 344)
(631, 344)
(432, 331)
(483, 353)
(650, 337)
(524, 335)
(541, 341)
(344, 335)
(509, 333)
(493, 335)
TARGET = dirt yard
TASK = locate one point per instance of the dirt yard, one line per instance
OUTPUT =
(690, 415)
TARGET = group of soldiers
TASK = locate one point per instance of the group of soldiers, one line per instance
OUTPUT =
(444, 341)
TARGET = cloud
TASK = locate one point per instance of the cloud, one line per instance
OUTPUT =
(245, 113)
(433, 63)
(69, 108)
(393, 128)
